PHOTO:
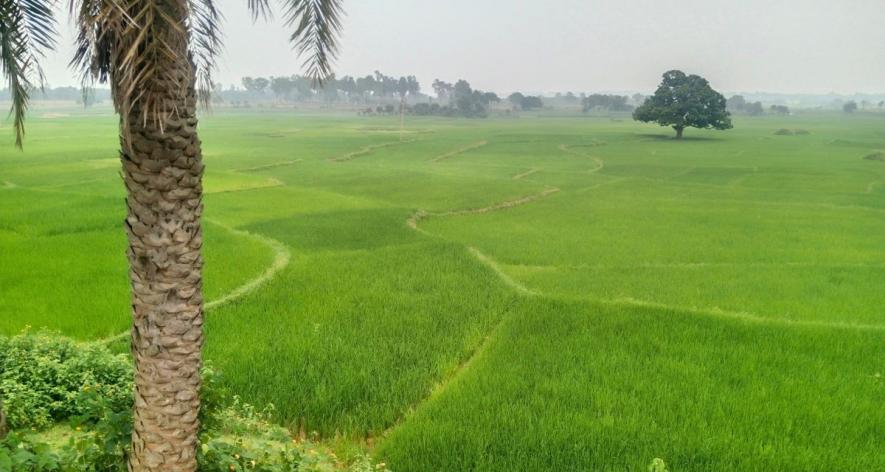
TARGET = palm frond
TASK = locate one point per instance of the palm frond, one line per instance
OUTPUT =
(260, 9)
(204, 26)
(27, 30)
(141, 48)
(317, 25)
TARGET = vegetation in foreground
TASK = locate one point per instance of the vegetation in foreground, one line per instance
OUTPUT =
(70, 405)
(734, 269)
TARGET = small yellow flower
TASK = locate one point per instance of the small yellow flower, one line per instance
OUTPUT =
(236, 456)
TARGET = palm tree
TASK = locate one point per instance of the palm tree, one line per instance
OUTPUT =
(157, 56)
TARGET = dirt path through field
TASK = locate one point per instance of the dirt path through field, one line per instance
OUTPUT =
(369, 149)
(525, 174)
(460, 150)
(600, 164)
(269, 166)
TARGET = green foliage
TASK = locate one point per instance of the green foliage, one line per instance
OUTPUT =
(685, 101)
(525, 102)
(605, 102)
(19, 454)
(657, 465)
(45, 378)
(235, 436)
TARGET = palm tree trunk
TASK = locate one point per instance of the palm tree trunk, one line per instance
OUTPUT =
(163, 172)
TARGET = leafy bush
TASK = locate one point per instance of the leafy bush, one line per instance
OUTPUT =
(45, 378)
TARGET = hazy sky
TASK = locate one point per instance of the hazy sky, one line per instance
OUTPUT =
(811, 46)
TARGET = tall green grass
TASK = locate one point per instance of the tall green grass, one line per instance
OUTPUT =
(713, 302)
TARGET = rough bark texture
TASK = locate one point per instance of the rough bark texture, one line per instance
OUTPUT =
(163, 171)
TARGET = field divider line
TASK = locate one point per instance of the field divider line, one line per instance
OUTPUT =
(269, 166)
(744, 316)
(525, 174)
(600, 164)
(457, 372)
(421, 215)
(282, 257)
(369, 149)
(509, 281)
(719, 313)
(703, 265)
(460, 150)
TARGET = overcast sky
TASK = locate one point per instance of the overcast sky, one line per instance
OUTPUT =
(809, 46)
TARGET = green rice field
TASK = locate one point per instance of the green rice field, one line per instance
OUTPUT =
(534, 293)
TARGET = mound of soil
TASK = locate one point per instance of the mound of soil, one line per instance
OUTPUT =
(791, 132)
(876, 156)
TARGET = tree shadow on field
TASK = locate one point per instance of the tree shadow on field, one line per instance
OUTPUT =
(672, 137)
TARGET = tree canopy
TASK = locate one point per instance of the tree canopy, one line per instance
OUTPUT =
(683, 101)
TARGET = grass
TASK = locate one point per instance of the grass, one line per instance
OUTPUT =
(715, 302)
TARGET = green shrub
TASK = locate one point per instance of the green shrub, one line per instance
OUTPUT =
(876, 156)
(45, 378)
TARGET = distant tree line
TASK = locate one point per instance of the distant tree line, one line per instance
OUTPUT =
(738, 104)
(598, 101)
(525, 102)
(297, 88)
(380, 94)
(78, 95)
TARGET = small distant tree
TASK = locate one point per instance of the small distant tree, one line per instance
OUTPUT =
(683, 101)
(443, 90)
(882, 104)
(605, 102)
(260, 84)
(780, 109)
(736, 103)
(754, 109)
(531, 102)
(525, 102)
(516, 99)
(850, 107)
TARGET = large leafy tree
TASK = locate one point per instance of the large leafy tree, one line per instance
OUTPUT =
(683, 101)
(157, 56)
